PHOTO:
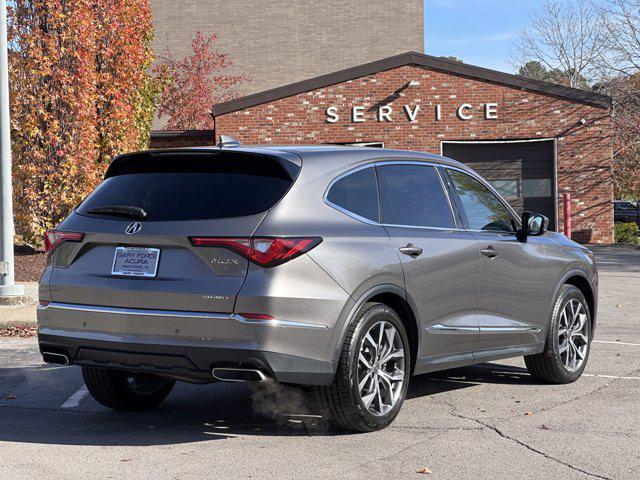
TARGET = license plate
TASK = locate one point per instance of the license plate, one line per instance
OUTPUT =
(135, 262)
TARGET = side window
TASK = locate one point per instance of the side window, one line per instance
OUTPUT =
(483, 209)
(412, 195)
(357, 193)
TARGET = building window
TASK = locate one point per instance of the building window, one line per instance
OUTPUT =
(537, 187)
(508, 188)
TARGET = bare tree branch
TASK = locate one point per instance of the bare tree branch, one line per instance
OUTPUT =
(565, 37)
(621, 22)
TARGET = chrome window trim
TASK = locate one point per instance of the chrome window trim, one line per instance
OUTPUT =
(452, 229)
(376, 163)
(176, 313)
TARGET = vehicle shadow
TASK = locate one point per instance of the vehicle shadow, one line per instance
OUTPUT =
(212, 412)
(465, 377)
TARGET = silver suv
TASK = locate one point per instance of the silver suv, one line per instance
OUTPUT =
(344, 268)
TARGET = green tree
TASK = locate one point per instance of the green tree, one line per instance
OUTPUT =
(537, 71)
(451, 58)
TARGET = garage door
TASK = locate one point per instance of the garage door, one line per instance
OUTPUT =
(523, 172)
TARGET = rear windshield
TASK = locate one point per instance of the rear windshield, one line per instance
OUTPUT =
(173, 188)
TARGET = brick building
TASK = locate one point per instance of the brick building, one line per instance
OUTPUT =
(275, 43)
(533, 140)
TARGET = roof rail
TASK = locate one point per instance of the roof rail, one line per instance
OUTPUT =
(228, 141)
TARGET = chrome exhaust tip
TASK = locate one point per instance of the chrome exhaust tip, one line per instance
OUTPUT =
(227, 374)
(57, 358)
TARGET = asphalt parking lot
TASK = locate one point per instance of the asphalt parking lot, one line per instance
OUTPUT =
(488, 421)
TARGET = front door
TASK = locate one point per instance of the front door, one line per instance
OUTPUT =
(439, 259)
(512, 292)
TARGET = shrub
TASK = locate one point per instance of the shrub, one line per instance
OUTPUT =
(626, 232)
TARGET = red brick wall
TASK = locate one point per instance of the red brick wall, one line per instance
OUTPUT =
(184, 138)
(584, 151)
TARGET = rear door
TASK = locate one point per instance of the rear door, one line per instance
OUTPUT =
(439, 259)
(513, 287)
(182, 196)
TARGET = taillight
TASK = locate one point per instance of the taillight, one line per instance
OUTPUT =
(266, 252)
(54, 238)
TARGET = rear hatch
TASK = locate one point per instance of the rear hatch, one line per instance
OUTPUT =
(129, 244)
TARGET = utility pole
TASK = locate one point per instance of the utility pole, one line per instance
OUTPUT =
(8, 288)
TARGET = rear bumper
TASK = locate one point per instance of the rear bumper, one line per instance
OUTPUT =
(184, 345)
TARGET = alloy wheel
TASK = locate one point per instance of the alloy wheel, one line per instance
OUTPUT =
(573, 336)
(381, 365)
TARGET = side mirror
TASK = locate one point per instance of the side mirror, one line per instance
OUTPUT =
(533, 224)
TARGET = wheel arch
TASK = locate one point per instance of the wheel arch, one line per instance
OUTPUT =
(396, 298)
(580, 280)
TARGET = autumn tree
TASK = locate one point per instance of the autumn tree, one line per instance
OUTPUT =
(125, 91)
(193, 84)
(80, 93)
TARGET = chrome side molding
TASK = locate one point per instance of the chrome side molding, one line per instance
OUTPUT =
(177, 314)
(441, 328)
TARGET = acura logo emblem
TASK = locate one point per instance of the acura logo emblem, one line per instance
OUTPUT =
(134, 227)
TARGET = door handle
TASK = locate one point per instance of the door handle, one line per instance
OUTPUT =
(411, 250)
(489, 252)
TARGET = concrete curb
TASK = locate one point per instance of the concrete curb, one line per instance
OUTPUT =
(18, 301)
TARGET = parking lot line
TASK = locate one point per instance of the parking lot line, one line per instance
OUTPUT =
(617, 343)
(615, 377)
(74, 400)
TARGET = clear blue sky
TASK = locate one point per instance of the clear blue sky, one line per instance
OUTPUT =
(479, 32)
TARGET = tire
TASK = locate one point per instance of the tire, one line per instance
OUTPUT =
(554, 364)
(125, 391)
(342, 401)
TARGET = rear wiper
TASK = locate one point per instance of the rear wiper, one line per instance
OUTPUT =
(127, 211)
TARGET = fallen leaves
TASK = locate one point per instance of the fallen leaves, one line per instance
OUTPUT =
(528, 414)
(22, 331)
(425, 470)
(545, 427)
